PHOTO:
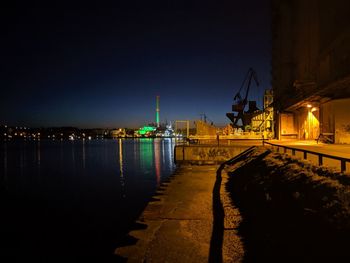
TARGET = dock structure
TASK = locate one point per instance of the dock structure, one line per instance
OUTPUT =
(187, 222)
(208, 154)
(202, 213)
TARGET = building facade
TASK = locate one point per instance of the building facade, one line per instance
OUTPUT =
(311, 68)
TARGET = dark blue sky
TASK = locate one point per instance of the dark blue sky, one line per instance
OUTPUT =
(99, 66)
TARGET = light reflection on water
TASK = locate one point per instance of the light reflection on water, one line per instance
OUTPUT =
(146, 159)
(90, 186)
(5, 165)
(148, 156)
(157, 161)
(122, 179)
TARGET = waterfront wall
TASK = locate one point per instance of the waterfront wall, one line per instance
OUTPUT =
(200, 154)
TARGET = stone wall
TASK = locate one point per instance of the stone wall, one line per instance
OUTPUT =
(198, 154)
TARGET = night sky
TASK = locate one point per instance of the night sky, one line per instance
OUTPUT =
(102, 66)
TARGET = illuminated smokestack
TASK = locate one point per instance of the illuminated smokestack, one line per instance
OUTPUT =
(157, 111)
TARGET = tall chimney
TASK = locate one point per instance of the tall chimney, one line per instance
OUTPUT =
(157, 111)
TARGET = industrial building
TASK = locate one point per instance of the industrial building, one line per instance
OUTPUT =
(311, 69)
(156, 129)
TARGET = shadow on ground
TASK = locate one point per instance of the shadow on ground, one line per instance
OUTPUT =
(216, 241)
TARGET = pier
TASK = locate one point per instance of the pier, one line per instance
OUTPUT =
(191, 218)
(182, 224)
(259, 205)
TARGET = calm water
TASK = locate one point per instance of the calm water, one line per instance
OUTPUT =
(77, 199)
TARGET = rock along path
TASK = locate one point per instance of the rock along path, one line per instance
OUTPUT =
(180, 224)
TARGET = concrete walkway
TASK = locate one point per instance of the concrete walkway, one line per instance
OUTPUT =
(340, 150)
(181, 226)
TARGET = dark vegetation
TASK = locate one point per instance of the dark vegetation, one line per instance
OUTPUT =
(292, 211)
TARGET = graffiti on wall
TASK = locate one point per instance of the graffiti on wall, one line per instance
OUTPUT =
(211, 153)
(206, 153)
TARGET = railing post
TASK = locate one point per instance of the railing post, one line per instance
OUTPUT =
(320, 161)
(343, 161)
(343, 165)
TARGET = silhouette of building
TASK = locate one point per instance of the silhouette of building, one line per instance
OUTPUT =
(311, 68)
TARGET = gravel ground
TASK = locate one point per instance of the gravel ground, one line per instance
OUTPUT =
(291, 210)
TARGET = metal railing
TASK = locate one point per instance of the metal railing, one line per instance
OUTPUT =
(342, 160)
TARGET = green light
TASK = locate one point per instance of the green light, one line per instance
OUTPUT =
(157, 117)
(145, 129)
(157, 111)
(146, 155)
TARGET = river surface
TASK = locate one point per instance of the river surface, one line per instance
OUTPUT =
(75, 200)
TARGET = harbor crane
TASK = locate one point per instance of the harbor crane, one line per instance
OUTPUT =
(241, 102)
